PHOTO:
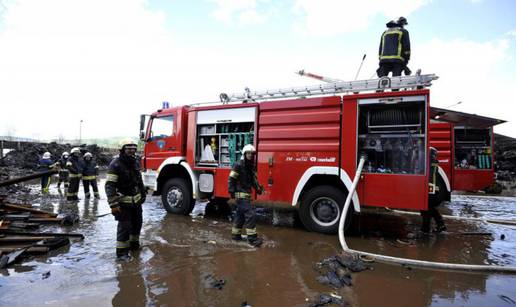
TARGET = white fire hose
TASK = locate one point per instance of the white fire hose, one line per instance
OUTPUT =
(406, 261)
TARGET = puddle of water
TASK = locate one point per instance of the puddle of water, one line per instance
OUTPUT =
(178, 253)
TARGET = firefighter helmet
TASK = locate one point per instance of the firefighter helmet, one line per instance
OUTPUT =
(126, 142)
(88, 155)
(46, 155)
(65, 154)
(402, 21)
(247, 148)
(75, 150)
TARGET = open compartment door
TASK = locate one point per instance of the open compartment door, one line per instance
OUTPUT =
(392, 134)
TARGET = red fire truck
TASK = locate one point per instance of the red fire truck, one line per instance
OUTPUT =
(308, 139)
(465, 144)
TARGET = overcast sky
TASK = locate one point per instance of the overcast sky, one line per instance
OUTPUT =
(107, 61)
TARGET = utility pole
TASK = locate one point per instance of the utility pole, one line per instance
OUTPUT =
(80, 132)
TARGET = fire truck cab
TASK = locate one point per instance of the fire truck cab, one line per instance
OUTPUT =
(307, 148)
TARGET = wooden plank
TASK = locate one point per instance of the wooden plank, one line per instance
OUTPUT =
(45, 220)
(14, 239)
(54, 234)
(31, 210)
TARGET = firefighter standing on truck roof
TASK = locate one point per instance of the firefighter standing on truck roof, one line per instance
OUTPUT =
(89, 176)
(126, 192)
(433, 199)
(46, 164)
(241, 180)
(74, 166)
(63, 172)
(394, 51)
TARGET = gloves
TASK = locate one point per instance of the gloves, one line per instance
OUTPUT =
(116, 211)
(260, 189)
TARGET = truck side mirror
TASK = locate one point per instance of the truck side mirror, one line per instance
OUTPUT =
(142, 127)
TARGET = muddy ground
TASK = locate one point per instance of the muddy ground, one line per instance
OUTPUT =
(182, 257)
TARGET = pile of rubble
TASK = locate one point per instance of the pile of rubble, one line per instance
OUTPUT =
(28, 154)
(505, 158)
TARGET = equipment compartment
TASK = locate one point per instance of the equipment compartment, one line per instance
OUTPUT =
(392, 136)
(473, 148)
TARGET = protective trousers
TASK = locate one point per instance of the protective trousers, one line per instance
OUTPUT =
(385, 68)
(45, 183)
(63, 177)
(245, 217)
(128, 229)
(73, 188)
(427, 216)
(86, 184)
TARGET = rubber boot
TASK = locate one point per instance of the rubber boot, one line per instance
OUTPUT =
(253, 240)
(237, 237)
(122, 254)
(134, 245)
(425, 225)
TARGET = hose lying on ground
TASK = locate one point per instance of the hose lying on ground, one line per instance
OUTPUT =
(451, 217)
(405, 261)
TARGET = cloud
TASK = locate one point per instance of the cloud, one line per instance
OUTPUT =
(243, 11)
(333, 17)
(477, 73)
(100, 61)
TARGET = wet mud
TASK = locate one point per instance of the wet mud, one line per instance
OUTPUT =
(194, 262)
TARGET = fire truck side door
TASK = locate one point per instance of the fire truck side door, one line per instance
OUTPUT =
(162, 140)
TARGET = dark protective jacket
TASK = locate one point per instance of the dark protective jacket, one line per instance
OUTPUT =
(394, 45)
(62, 164)
(75, 165)
(124, 177)
(90, 169)
(243, 178)
(45, 164)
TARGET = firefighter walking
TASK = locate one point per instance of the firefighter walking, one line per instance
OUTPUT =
(394, 50)
(433, 199)
(242, 180)
(75, 167)
(125, 192)
(89, 176)
(63, 171)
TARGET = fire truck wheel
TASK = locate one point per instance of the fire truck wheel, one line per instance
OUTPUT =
(177, 197)
(321, 208)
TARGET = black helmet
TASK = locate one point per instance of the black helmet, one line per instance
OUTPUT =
(391, 24)
(402, 21)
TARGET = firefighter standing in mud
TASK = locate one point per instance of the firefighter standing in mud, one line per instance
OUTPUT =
(394, 51)
(241, 180)
(74, 166)
(89, 176)
(126, 192)
(46, 164)
(63, 171)
(433, 199)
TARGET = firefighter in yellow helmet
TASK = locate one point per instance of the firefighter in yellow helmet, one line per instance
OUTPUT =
(126, 192)
(89, 176)
(242, 180)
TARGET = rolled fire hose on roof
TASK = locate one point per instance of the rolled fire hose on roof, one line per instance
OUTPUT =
(406, 261)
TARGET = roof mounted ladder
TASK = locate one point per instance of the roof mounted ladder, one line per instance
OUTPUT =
(417, 81)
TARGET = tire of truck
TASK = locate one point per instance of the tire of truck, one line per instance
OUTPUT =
(441, 196)
(321, 208)
(177, 197)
